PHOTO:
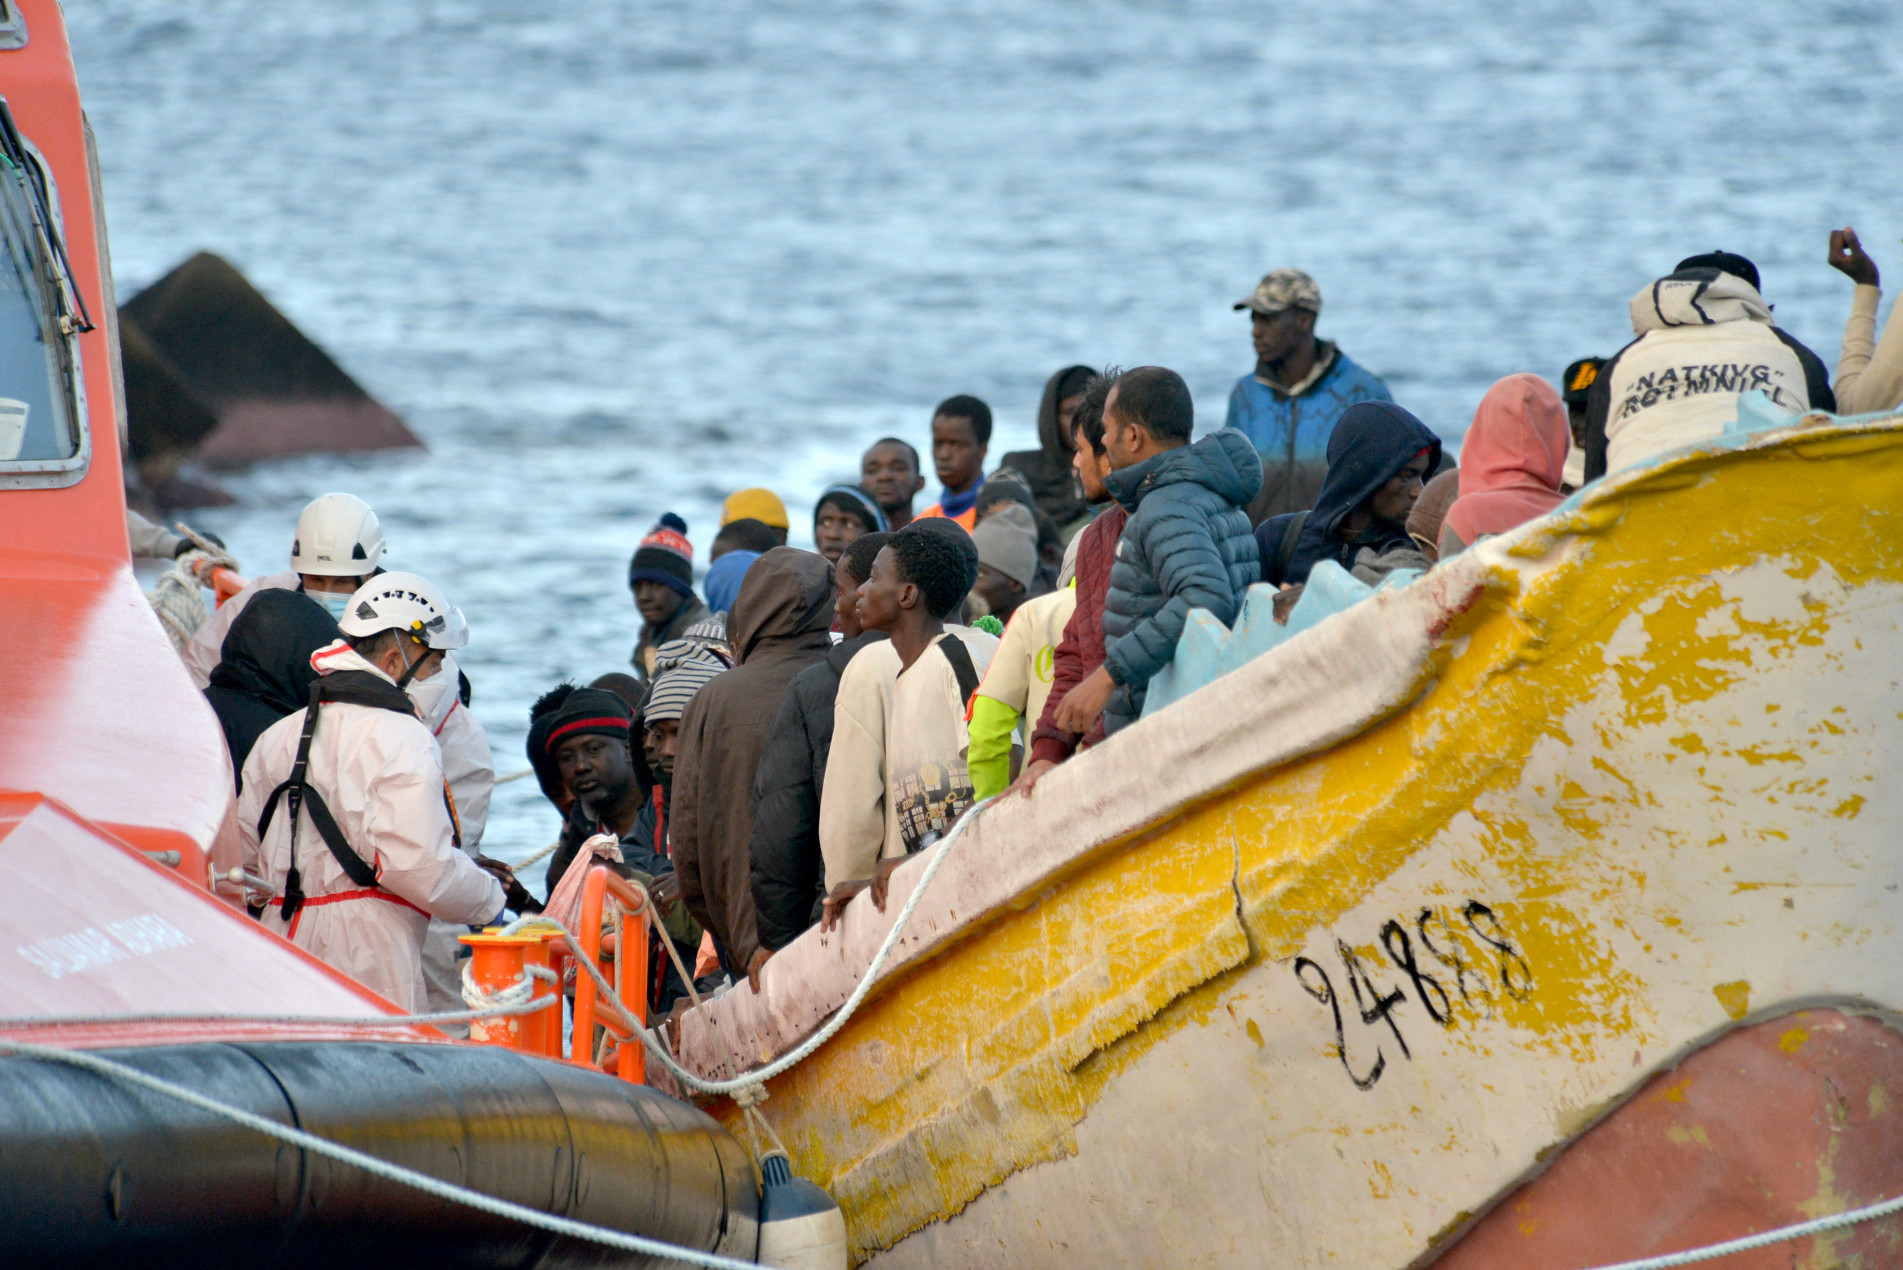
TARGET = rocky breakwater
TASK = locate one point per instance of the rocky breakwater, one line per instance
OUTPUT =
(216, 376)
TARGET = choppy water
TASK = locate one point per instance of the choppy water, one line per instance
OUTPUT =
(614, 258)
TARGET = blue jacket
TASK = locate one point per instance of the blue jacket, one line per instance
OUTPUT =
(1187, 545)
(1291, 433)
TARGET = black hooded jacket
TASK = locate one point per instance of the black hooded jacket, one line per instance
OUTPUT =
(1047, 469)
(266, 670)
(1371, 443)
(787, 871)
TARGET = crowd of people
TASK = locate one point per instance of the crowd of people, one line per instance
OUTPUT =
(796, 724)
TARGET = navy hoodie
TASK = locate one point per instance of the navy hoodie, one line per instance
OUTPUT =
(265, 668)
(1371, 443)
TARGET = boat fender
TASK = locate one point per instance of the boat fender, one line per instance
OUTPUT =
(801, 1228)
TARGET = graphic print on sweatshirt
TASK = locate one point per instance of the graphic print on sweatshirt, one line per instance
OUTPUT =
(931, 797)
(1675, 382)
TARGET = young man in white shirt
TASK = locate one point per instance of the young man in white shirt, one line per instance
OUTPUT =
(917, 581)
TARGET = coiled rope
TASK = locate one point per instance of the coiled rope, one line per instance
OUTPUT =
(175, 598)
(376, 1167)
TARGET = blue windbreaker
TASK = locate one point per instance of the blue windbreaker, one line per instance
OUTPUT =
(1291, 433)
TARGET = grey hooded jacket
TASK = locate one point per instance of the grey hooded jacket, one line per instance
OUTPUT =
(1187, 546)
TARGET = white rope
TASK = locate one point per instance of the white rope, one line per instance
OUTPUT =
(175, 598)
(752, 1080)
(538, 856)
(510, 998)
(380, 1168)
(517, 1001)
(1764, 1239)
(515, 776)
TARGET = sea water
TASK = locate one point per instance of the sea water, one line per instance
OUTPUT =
(614, 259)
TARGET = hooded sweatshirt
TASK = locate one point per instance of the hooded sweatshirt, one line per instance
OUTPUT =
(780, 624)
(1704, 339)
(1513, 460)
(380, 774)
(1047, 469)
(787, 868)
(264, 671)
(203, 649)
(1429, 514)
(1186, 545)
(1370, 445)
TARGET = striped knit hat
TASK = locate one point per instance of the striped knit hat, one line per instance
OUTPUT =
(665, 556)
(681, 668)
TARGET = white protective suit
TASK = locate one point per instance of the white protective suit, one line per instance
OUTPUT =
(471, 770)
(206, 648)
(381, 774)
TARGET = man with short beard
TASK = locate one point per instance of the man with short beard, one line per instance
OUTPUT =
(589, 741)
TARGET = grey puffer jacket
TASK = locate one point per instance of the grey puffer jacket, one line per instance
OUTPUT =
(1188, 545)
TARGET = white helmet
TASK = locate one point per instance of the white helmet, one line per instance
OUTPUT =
(337, 537)
(407, 603)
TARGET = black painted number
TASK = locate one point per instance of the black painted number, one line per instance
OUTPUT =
(1325, 994)
(1510, 958)
(1377, 1007)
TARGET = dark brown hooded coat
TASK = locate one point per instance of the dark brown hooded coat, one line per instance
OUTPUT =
(1053, 484)
(778, 627)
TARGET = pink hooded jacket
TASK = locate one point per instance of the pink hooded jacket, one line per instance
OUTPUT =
(1511, 460)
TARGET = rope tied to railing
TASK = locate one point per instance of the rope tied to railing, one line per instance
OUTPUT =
(506, 999)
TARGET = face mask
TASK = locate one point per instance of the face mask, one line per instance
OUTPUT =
(334, 602)
(436, 696)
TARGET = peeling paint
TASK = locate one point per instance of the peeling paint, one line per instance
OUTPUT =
(1613, 727)
(1735, 997)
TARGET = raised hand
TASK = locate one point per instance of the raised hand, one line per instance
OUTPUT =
(1848, 258)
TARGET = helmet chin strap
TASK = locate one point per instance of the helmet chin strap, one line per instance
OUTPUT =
(409, 667)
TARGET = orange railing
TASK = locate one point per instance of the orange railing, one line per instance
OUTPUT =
(499, 961)
(629, 958)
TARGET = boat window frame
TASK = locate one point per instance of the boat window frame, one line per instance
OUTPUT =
(63, 315)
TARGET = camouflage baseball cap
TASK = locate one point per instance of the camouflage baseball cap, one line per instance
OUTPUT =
(1284, 289)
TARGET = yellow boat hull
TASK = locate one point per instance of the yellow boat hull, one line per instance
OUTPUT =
(1315, 965)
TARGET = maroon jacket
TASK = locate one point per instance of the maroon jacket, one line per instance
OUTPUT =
(1081, 649)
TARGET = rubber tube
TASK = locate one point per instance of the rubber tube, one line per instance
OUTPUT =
(93, 1173)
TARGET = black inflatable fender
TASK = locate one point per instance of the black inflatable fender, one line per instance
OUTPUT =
(94, 1171)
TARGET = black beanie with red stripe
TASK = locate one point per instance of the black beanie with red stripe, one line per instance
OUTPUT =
(588, 711)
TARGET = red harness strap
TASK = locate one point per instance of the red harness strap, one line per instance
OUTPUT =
(366, 893)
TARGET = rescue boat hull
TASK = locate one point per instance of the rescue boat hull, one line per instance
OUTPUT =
(1321, 962)
(94, 1172)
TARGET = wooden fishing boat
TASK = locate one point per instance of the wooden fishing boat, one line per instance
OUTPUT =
(1540, 912)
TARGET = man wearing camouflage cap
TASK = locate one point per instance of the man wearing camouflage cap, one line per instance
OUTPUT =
(1288, 405)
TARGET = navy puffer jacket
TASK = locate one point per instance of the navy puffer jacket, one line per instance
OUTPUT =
(1187, 546)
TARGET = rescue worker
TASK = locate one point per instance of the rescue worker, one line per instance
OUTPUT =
(348, 815)
(337, 546)
(470, 768)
